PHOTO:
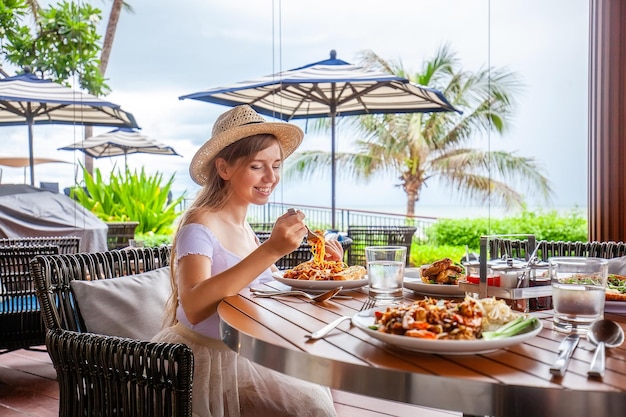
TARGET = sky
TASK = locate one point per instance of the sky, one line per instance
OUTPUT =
(162, 52)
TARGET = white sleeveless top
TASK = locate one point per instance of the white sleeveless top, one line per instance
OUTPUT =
(197, 239)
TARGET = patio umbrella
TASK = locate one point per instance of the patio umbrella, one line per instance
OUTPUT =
(328, 88)
(121, 141)
(27, 99)
(25, 161)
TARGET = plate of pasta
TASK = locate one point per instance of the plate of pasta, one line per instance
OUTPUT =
(319, 273)
(465, 339)
(321, 285)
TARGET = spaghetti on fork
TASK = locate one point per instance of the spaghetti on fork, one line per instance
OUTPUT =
(320, 269)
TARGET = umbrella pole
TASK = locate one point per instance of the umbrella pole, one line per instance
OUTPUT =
(30, 152)
(333, 169)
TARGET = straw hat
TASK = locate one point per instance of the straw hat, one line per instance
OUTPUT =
(238, 123)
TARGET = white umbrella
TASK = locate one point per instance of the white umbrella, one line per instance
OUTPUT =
(25, 161)
(27, 99)
(122, 141)
(328, 88)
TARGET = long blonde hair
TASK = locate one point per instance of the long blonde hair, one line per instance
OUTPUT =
(213, 196)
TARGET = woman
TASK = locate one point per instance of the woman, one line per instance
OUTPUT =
(216, 254)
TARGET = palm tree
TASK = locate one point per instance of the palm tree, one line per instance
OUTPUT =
(423, 147)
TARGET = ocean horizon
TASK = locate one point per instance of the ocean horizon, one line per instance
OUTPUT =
(456, 211)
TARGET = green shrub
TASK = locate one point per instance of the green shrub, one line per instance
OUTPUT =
(151, 239)
(550, 226)
(426, 254)
(130, 196)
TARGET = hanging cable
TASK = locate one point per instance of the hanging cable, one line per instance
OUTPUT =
(489, 112)
(277, 29)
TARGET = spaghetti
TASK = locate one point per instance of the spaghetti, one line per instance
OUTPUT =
(320, 269)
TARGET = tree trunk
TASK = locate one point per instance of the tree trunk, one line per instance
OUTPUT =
(109, 35)
(412, 197)
(105, 54)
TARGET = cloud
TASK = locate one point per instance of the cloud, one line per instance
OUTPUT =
(162, 52)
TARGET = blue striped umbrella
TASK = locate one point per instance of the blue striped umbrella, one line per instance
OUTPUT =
(27, 99)
(328, 88)
(121, 141)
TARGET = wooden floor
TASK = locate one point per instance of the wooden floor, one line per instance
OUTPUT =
(28, 387)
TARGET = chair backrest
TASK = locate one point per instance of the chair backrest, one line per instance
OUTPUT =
(50, 186)
(363, 236)
(522, 249)
(109, 375)
(120, 233)
(53, 274)
(20, 317)
(66, 244)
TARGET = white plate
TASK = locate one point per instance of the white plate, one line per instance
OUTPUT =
(435, 290)
(303, 284)
(444, 347)
(615, 307)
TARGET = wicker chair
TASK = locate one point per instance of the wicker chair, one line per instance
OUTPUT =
(363, 236)
(102, 375)
(21, 326)
(522, 249)
(66, 244)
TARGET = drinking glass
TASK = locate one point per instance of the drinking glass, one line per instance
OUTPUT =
(385, 271)
(578, 287)
(134, 243)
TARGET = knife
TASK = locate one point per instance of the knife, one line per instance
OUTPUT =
(566, 348)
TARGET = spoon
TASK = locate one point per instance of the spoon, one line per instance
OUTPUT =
(603, 333)
(317, 298)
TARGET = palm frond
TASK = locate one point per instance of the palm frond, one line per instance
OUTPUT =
(420, 148)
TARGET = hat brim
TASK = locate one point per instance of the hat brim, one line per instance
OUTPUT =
(290, 137)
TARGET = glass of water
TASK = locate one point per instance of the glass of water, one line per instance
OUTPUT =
(578, 288)
(385, 272)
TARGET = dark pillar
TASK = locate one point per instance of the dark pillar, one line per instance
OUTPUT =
(607, 120)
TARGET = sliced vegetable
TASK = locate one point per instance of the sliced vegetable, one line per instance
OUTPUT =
(614, 283)
(511, 328)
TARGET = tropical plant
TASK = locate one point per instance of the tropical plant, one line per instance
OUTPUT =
(62, 44)
(130, 196)
(424, 147)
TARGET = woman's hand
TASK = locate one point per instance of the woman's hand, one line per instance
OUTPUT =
(287, 233)
(334, 250)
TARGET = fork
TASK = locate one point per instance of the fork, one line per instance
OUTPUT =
(319, 334)
(310, 235)
(274, 292)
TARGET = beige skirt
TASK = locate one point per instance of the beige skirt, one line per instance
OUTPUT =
(228, 385)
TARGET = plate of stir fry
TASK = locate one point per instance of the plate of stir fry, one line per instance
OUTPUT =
(450, 327)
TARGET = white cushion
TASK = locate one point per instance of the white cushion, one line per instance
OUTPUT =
(130, 306)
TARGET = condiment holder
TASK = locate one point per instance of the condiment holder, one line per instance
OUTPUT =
(521, 282)
(513, 274)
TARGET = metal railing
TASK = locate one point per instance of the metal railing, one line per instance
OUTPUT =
(262, 218)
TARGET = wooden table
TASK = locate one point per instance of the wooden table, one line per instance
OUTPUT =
(515, 381)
